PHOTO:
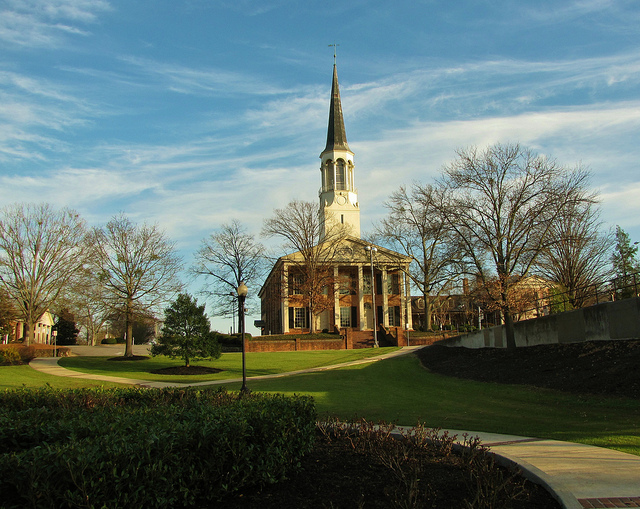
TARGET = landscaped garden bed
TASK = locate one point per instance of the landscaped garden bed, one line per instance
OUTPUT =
(362, 465)
(145, 448)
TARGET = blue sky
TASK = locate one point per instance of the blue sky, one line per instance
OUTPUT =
(190, 113)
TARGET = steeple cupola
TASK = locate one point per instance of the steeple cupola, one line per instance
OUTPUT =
(338, 194)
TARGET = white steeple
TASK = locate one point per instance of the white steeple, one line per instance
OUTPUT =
(338, 194)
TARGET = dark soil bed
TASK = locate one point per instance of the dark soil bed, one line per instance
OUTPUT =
(186, 370)
(593, 367)
(122, 358)
(335, 476)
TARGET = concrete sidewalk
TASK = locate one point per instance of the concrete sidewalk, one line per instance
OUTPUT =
(581, 476)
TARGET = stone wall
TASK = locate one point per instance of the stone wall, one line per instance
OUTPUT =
(609, 320)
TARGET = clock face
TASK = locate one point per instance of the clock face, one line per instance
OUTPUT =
(341, 200)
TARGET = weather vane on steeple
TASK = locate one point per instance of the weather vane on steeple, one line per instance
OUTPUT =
(335, 52)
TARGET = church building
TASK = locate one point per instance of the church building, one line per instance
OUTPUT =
(363, 286)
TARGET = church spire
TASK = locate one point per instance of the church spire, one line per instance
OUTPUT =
(336, 134)
(338, 194)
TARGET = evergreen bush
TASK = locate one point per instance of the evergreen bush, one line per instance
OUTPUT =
(145, 448)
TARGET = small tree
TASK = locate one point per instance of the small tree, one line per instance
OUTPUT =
(66, 328)
(8, 315)
(186, 333)
(625, 264)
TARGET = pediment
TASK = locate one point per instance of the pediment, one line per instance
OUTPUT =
(351, 250)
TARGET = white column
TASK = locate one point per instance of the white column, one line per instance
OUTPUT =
(336, 298)
(407, 291)
(363, 322)
(385, 298)
(285, 300)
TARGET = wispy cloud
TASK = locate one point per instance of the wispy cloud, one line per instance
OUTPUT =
(45, 23)
(186, 80)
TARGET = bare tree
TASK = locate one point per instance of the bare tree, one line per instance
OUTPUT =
(301, 227)
(578, 253)
(91, 305)
(502, 205)
(41, 253)
(225, 259)
(416, 227)
(138, 267)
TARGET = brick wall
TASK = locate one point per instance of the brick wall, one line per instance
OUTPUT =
(293, 345)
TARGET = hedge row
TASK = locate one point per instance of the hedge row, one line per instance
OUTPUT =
(145, 448)
(16, 353)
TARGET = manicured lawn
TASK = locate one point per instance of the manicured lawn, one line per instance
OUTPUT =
(230, 364)
(12, 377)
(399, 390)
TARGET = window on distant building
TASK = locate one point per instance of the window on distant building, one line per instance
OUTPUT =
(345, 317)
(347, 284)
(296, 282)
(298, 318)
(394, 316)
(366, 283)
(393, 284)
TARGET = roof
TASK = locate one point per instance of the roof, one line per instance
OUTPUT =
(336, 134)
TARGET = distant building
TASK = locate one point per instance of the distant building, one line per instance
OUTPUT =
(352, 297)
(41, 330)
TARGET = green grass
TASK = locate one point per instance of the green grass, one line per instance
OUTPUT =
(13, 377)
(263, 363)
(399, 390)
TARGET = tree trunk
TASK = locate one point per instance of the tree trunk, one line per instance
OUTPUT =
(510, 329)
(28, 333)
(128, 352)
(427, 312)
(311, 316)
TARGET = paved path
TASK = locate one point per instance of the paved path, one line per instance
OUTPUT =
(581, 476)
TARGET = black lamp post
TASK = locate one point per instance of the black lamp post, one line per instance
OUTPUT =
(242, 295)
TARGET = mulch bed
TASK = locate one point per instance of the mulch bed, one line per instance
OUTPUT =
(336, 476)
(175, 370)
(186, 370)
(608, 368)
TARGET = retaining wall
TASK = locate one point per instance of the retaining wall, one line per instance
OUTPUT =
(609, 320)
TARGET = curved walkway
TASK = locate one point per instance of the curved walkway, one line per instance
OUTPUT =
(581, 476)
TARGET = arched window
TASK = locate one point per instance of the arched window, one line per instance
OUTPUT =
(329, 174)
(341, 176)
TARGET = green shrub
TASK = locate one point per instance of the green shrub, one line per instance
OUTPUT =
(10, 355)
(109, 341)
(145, 448)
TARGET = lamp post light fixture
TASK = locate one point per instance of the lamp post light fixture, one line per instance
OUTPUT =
(55, 342)
(242, 295)
(373, 249)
